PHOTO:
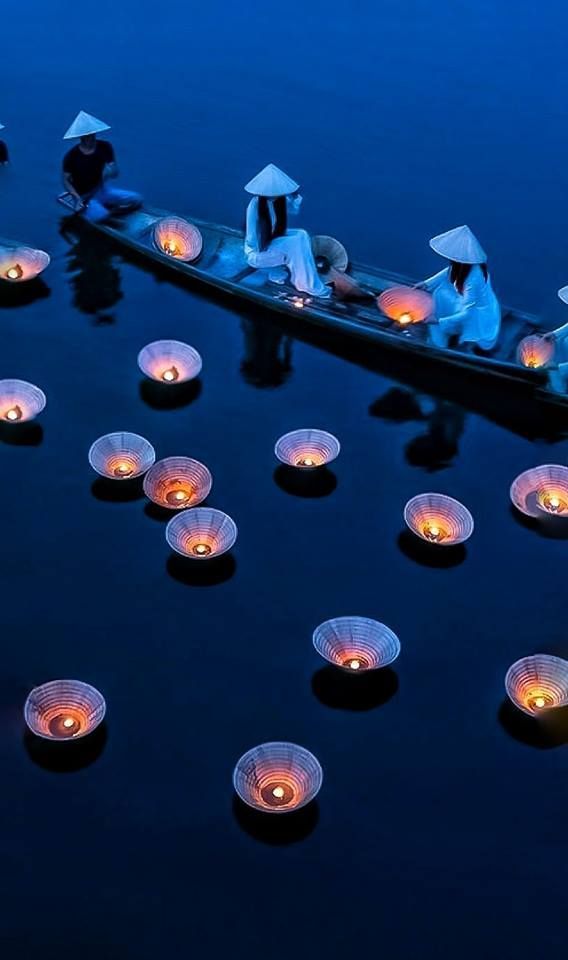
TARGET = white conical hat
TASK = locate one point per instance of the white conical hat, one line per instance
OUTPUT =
(460, 245)
(2, 125)
(563, 294)
(272, 182)
(83, 125)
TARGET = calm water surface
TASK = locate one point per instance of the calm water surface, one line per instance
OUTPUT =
(441, 825)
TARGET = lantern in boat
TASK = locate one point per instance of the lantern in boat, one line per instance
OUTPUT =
(356, 644)
(438, 519)
(542, 490)
(64, 710)
(121, 456)
(329, 255)
(534, 352)
(177, 482)
(178, 239)
(307, 448)
(201, 534)
(277, 777)
(18, 264)
(20, 401)
(406, 305)
(539, 683)
(170, 361)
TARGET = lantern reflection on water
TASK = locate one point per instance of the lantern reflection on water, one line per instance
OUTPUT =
(539, 683)
(534, 352)
(64, 710)
(178, 239)
(121, 456)
(20, 401)
(542, 490)
(18, 264)
(406, 305)
(438, 519)
(307, 448)
(356, 644)
(277, 777)
(202, 533)
(177, 482)
(170, 361)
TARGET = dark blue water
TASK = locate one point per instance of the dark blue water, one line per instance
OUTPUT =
(440, 828)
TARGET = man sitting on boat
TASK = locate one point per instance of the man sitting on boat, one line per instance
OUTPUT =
(88, 166)
(464, 302)
(269, 244)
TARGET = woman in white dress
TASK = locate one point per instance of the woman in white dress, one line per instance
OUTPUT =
(558, 370)
(464, 302)
(269, 244)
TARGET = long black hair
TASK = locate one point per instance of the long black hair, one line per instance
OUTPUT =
(459, 272)
(266, 232)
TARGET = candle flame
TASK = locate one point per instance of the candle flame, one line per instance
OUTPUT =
(171, 247)
(404, 319)
(15, 272)
(355, 664)
(433, 532)
(201, 549)
(68, 722)
(14, 413)
(278, 792)
(172, 373)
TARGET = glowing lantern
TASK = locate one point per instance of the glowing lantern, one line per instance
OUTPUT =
(539, 683)
(64, 710)
(121, 456)
(542, 490)
(177, 482)
(307, 448)
(406, 305)
(356, 644)
(277, 777)
(18, 264)
(201, 534)
(178, 239)
(170, 361)
(20, 401)
(438, 519)
(534, 352)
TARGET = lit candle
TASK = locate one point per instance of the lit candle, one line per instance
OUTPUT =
(539, 702)
(178, 496)
(354, 664)
(404, 319)
(122, 469)
(201, 549)
(552, 503)
(298, 302)
(277, 794)
(64, 725)
(433, 532)
(15, 272)
(306, 462)
(172, 373)
(170, 246)
(14, 413)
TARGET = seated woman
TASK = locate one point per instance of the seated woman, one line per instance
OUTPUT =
(464, 302)
(269, 243)
(558, 368)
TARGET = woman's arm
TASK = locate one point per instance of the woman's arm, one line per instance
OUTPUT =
(559, 334)
(432, 282)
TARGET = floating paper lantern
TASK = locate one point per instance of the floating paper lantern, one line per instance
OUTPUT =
(177, 482)
(277, 777)
(64, 710)
(542, 490)
(406, 305)
(170, 361)
(535, 352)
(18, 264)
(121, 456)
(438, 519)
(329, 254)
(178, 239)
(20, 401)
(201, 534)
(356, 644)
(539, 683)
(307, 448)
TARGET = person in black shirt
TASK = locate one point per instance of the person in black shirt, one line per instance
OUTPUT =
(88, 166)
(3, 150)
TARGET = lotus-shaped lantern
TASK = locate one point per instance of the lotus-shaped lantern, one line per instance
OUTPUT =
(19, 263)
(539, 683)
(329, 255)
(406, 305)
(20, 401)
(534, 352)
(438, 519)
(201, 534)
(277, 777)
(177, 482)
(170, 361)
(356, 644)
(178, 239)
(542, 490)
(64, 710)
(121, 456)
(307, 448)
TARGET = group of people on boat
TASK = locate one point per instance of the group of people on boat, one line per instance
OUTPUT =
(464, 304)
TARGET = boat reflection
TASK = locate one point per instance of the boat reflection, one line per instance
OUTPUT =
(436, 447)
(267, 358)
(94, 278)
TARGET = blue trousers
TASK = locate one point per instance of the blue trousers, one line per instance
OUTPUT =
(107, 200)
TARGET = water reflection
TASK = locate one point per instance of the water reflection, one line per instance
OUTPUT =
(342, 691)
(165, 396)
(305, 483)
(21, 434)
(548, 527)
(436, 447)
(429, 555)
(548, 731)
(66, 757)
(276, 829)
(95, 280)
(201, 573)
(267, 358)
(117, 491)
(22, 294)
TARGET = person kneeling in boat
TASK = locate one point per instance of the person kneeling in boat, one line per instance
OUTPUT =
(269, 244)
(88, 166)
(464, 302)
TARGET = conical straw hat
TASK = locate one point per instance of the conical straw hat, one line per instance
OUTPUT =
(460, 245)
(2, 125)
(563, 294)
(272, 182)
(83, 125)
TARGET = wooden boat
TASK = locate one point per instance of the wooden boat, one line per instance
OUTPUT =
(222, 265)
